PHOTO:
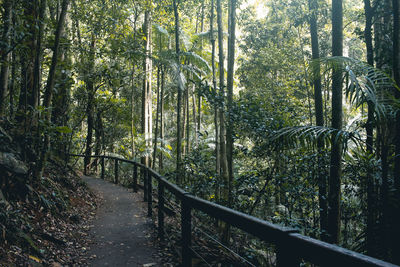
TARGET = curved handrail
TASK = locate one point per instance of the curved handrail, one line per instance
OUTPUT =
(291, 246)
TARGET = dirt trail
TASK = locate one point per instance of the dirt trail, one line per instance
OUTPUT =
(121, 231)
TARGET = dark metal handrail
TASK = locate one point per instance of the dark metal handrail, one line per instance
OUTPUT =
(291, 247)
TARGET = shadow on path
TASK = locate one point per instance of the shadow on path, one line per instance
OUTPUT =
(121, 232)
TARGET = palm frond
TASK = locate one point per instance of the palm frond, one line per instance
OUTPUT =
(196, 59)
(311, 135)
(160, 29)
(364, 83)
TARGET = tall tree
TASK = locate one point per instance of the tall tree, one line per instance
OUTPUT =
(229, 81)
(396, 74)
(90, 90)
(50, 87)
(319, 116)
(222, 131)
(214, 84)
(337, 115)
(147, 91)
(5, 54)
(179, 100)
(371, 241)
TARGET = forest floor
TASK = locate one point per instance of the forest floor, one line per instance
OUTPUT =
(46, 222)
(121, 232)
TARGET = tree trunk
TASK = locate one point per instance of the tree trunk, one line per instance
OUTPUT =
(5, 54)
(146, 93)
(319, 118)
(371, 240)
(187, 121)
(161, 156)
(336, 150)
(396, 75)
(231, 64)
(38, 60)
(157, 116)
(50, 88)
(27, 58)
(99, 134)
(222, 131)
(214, 82)
(90, 105)
(179, 104)
(199, 98)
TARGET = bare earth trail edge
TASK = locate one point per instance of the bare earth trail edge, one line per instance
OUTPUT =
(121, 232)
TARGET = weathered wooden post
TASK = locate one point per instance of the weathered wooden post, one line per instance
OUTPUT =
(160, 210)
(285, 254)
(116, 172)
(150, 195)
(102, 167)
(135, 180)
(186, 224)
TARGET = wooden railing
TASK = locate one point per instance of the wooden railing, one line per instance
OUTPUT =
(291, 247)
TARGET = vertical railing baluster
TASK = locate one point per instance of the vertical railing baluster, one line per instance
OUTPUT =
(102, 167)
(150, 194)
(186, 224)
(160, 210)
(135, 180)
(116, 172)
(286, 254)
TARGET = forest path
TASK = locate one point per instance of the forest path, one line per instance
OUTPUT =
(121, 231)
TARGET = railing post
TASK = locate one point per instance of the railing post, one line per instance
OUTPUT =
(102, 167)
(160, 210)
(186, 224)
(135, 180)
(150, 195)
(116, 172)
(285, 253)
(145, 173)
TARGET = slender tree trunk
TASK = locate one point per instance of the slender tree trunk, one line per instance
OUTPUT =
(214, 82)
(27, 58)
(184, 122)
(222, 132)
(179, 104)
(146, 93)
(12, 83)
(61, 102)
(196, 137)
(396, 75)
(39, 52)
(187, 121)
(157, 117)
(149, 87)
(319, 118)
(199, 98)
(371, 240)
(161, 157)
(50, 87)
(133, 128)
(336, 150)
(5, 55)
(90, 105)
(231, 64)
(99, 133)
